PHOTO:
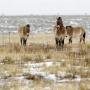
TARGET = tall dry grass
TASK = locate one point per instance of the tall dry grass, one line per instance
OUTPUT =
(72, 58)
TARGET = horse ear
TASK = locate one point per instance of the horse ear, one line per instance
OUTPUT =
(70, 26)
(28, 25)
(66, 27)
(58, 18)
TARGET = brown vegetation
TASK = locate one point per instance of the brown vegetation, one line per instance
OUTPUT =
(72, 58)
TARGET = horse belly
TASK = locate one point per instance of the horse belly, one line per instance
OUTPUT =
(21, 35)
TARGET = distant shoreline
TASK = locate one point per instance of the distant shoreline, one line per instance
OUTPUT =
(45, 15)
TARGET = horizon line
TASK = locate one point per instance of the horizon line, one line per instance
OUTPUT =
(43, 14)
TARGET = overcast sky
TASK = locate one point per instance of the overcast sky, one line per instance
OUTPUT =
(44, 7)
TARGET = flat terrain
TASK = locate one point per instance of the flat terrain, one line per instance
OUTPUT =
(41, 66)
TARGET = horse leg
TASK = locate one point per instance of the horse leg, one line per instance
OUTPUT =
(81, 39)
(25, 41)
(84, 37)
(84, 40)
(56, 41)
(62, 42)
(70, 40)
(21, 40)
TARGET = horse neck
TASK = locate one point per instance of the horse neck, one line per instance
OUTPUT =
(61, 26)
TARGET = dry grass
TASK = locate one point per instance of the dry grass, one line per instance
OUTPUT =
(7, 69)
(73, 58)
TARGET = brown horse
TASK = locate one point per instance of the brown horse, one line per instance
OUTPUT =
(59, 32)
(75, 32)
(24, 33)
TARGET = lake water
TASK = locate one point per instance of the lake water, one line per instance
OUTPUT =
(43, 23)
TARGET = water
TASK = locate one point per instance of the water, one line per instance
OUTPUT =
(43, 23)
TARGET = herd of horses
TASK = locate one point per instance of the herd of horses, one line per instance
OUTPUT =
(60, 32)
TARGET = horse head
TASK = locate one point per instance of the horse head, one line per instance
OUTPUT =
(69, 27)
(27, 30)
(59, 22)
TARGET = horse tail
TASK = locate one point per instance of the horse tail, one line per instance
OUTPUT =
(84, 34)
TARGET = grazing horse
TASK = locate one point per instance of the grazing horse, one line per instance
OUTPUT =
(75, 32)
(24, 33)
(59, 32)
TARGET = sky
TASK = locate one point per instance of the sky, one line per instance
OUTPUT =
(44, 7)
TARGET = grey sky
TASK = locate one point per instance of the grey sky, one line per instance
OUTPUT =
(45, 7)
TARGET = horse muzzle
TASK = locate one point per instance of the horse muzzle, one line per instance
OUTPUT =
(58, 26)
(28, 34)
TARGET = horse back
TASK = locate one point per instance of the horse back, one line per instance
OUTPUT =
(23, 30)
(78, 30)
(74, 31)
(20, 30)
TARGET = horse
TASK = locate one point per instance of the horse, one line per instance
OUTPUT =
(24, 33)
(75, 32)
(59, 32)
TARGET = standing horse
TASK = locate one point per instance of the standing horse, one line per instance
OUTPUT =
(24, 33)
(59, 32)
(75, 32)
